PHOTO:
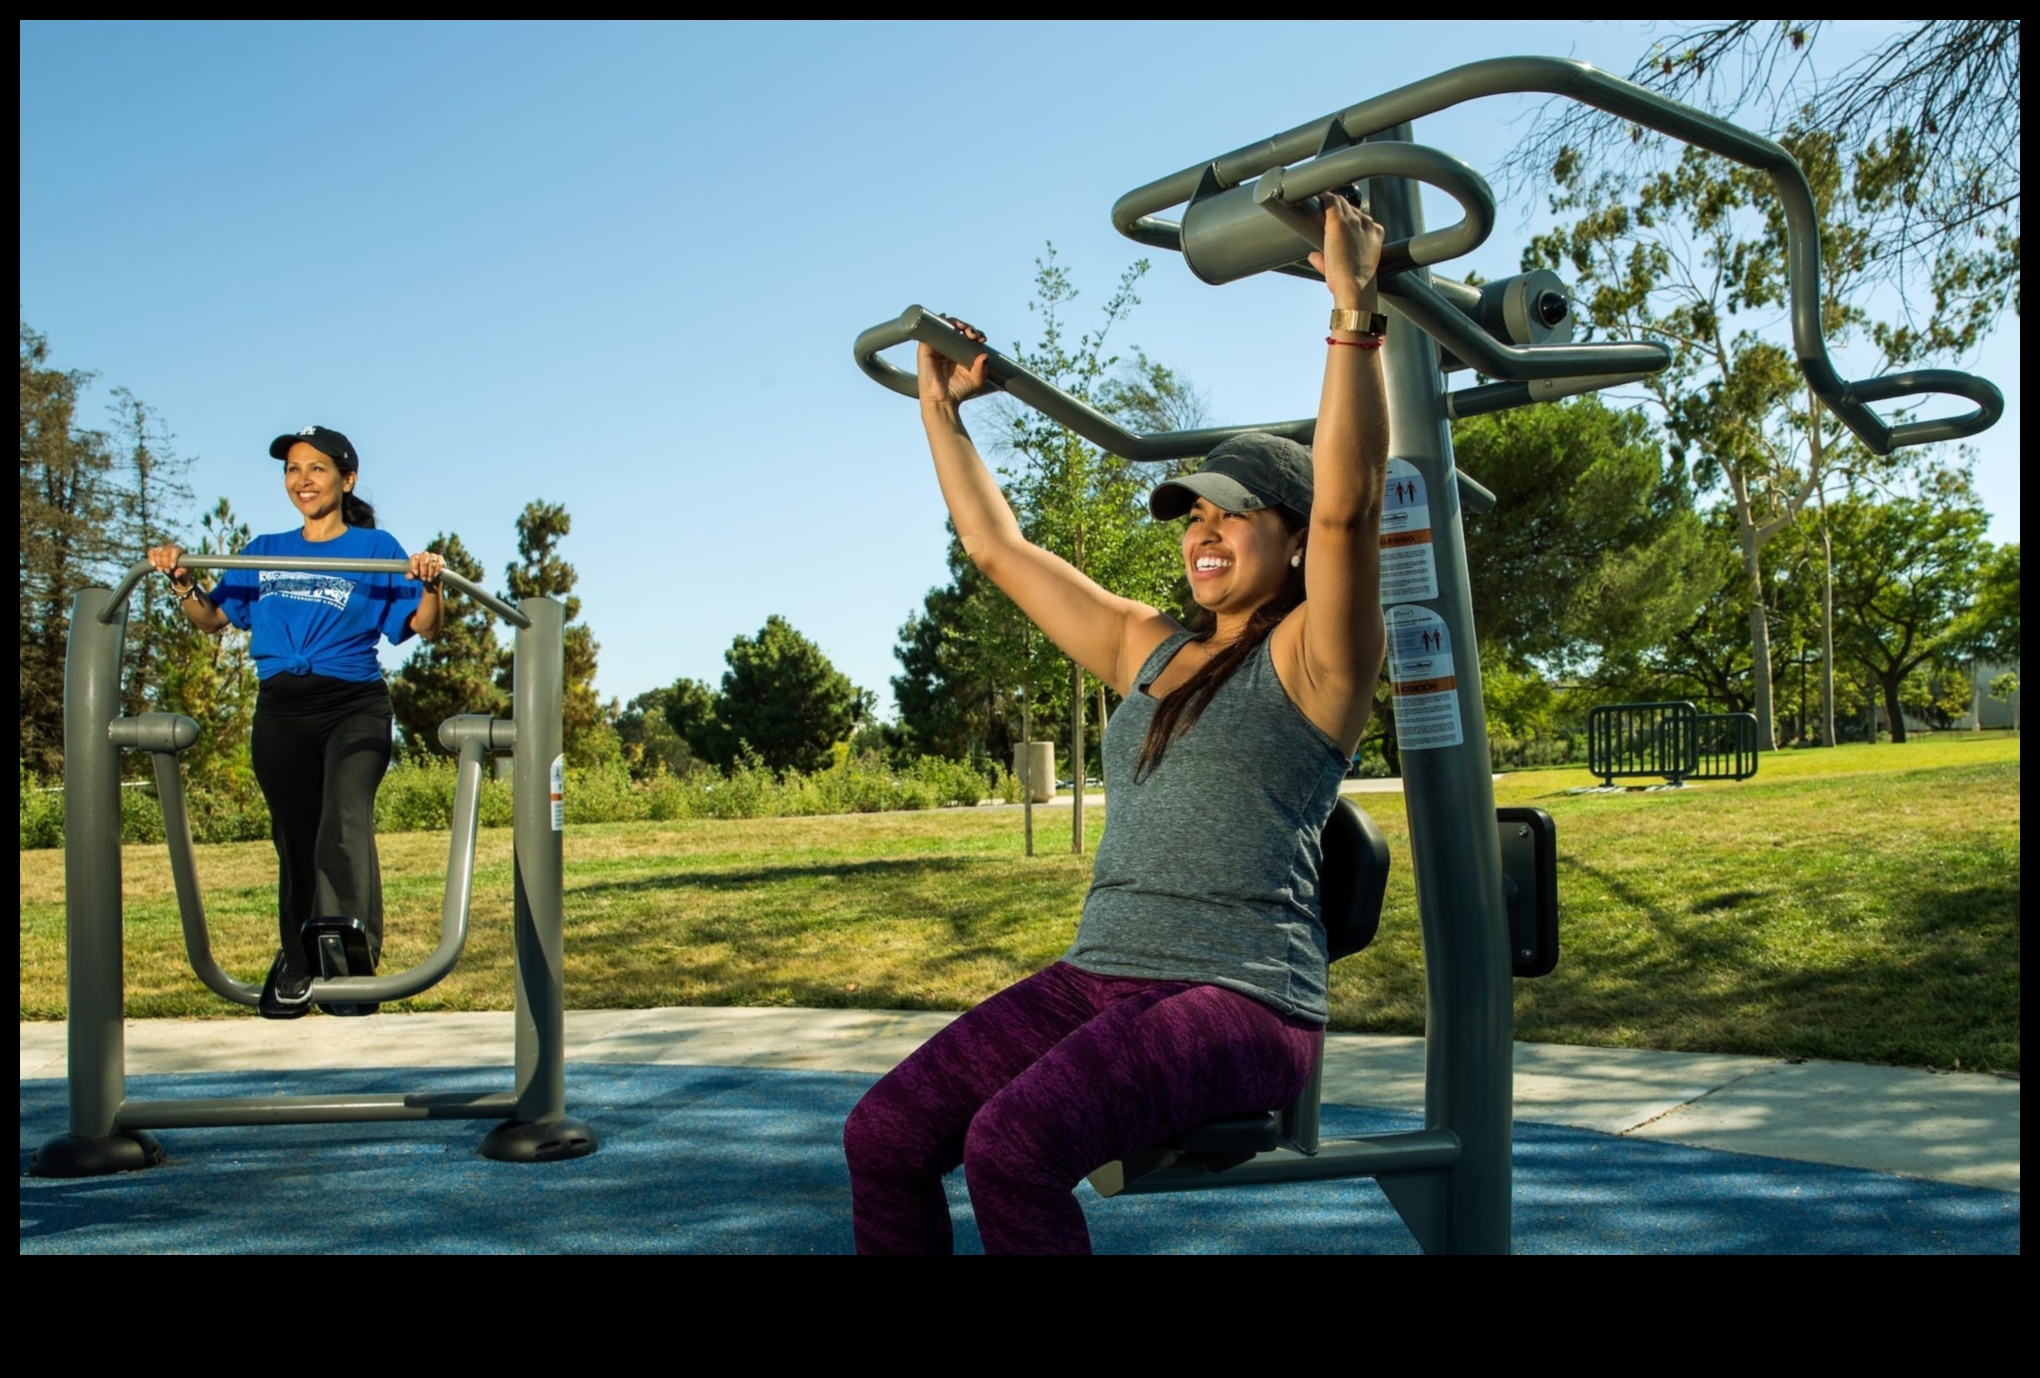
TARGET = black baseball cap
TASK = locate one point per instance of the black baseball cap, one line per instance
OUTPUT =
(329, 443)
(1242, 474)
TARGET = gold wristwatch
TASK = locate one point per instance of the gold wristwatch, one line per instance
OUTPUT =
(1358, 321)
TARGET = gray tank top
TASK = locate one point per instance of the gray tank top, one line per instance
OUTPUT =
(1208, 869)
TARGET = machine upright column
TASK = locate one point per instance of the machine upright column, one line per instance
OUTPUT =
(1441, 728)
(95, 1034)
(541, 1130)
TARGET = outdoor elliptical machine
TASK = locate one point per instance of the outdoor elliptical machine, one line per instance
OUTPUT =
(108, 1131)
(1255, 210)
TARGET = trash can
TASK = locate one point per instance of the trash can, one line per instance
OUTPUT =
(1034, 764)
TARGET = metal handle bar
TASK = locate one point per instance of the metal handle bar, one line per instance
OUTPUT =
(1431, 312)
(473, 736)
(1211, 244)
(1134, 216)
(164, 735)
(303, 563)
(921, 326)
(1290, 195)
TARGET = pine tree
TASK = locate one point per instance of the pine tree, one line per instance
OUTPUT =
(781, 699)
(211, 678)
(149, 487)
(458, 672)
(64, 515)
(541, 573)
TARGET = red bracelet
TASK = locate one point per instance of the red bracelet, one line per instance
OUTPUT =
(1371, 342)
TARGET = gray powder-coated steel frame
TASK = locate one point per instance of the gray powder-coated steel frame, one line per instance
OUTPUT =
(1249, 211)
(107, 1130)
(1135, 215)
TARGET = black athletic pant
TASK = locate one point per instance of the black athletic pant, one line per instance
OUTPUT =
(319, 770)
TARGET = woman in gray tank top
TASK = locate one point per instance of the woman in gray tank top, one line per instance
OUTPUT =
(1195, 988)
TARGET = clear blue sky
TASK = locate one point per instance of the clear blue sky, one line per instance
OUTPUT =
(619, 266)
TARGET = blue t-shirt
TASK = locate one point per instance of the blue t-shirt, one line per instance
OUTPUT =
(327, 623)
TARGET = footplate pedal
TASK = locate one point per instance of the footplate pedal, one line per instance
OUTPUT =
(339, 947)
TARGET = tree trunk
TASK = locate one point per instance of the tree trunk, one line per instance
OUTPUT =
(1892, 711)
(1104, 716)
(1027, 738)
(1816, 441)
(1076, 759)
(1827, 630)
(1760, 645)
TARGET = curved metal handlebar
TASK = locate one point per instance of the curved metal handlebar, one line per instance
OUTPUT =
(1228, 233)
(306, 563)
(921, 326)
(164, 735)
(1135, 216)
(1427, 309)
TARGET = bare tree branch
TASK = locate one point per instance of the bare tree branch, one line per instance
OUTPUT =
(1938, 102)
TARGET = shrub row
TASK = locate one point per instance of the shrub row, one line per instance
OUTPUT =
(1528, 753)
(418, 797)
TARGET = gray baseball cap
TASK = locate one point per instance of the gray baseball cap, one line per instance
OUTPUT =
(1242, 474)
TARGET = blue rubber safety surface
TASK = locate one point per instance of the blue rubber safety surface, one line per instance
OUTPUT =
(743, 1161)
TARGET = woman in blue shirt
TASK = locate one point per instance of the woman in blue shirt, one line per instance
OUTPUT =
(321, 738)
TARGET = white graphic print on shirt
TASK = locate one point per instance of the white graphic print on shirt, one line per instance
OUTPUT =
(330, 589)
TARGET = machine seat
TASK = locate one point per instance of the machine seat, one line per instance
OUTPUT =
(1352, 879)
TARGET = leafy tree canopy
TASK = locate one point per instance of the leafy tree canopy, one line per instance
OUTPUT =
(458, 673)
(540, 572)
(649, 743)
(1592, 550)
(781, 700)
(1990, 628)
(1905, 571)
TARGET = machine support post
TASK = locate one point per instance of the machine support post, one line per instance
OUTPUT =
(1448, 791)
(92, 866)
(537, 848)
(94, 1032)
(540, 1129)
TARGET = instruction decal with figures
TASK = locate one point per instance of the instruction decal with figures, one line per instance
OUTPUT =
(1421, 676)
(559, 794)
(1409, 566)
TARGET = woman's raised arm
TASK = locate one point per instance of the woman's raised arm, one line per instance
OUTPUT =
(1331, 647)
(1108, 635)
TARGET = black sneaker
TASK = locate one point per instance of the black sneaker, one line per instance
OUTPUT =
(286, 994)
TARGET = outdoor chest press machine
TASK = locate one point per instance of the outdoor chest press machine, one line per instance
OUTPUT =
(1486, 884)
(108, 1132)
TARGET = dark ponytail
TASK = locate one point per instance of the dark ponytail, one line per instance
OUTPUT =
(355, 512)
(1180, 709)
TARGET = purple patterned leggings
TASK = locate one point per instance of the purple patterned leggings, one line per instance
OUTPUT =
(1046, 1081)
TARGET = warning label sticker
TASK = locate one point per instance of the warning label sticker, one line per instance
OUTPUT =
(1421, 675)
(559, 794)
(1409, 566)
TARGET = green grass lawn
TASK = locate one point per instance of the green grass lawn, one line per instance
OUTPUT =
(1858, 904)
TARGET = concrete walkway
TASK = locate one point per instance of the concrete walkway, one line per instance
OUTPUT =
(1957, 1128)
(1094, 798)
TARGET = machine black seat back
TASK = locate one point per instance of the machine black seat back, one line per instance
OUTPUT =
(1352, 878)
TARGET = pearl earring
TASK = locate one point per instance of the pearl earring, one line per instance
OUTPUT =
(1296, 561)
